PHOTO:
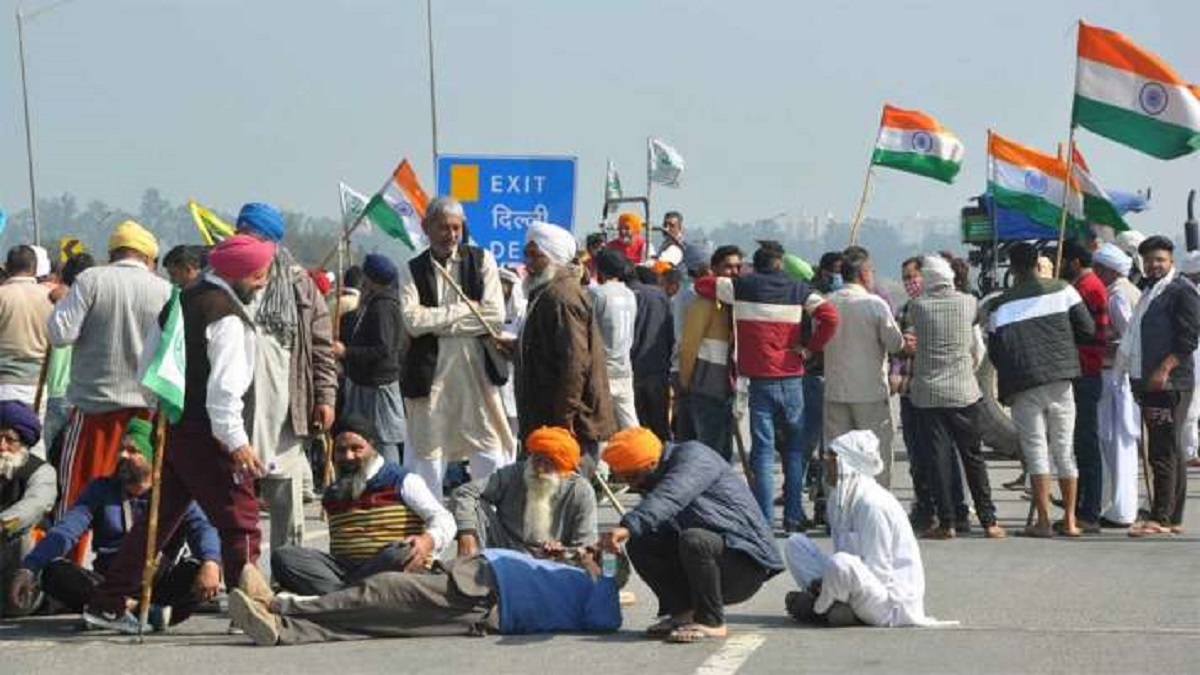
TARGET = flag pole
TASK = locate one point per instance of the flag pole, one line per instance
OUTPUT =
(150, 566)
(1062, 216)
(344, 238)
(649, 181)
(862, 202)
(991, 199)
(432, 87)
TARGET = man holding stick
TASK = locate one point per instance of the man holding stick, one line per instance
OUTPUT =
(208, 453)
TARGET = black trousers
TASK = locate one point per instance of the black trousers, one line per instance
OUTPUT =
(1167, 461)
(693, 570)
(73, 586)
(651, 399)
(307, 571)
(953, 434)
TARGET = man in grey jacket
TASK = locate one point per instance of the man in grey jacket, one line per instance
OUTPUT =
(27, 492)
(538, 505)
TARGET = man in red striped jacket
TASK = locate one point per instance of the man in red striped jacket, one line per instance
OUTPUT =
(767, 308)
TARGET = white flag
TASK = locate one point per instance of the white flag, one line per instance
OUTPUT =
(666, 164)
(612, 183)
(353, 203)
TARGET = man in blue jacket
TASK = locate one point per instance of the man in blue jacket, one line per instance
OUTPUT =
(496, 591)
(697, 538)
(109, 506)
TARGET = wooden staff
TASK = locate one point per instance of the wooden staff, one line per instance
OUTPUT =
(741, 451)
(495, 334)
(612, 497)
(862, 203)
(41, 384)
(1062, 216)
(150, 569)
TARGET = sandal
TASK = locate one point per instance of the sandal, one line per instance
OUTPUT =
(1147, 529)
(662, 628)
(1035, 532)
(1060, 529)
(691, 634)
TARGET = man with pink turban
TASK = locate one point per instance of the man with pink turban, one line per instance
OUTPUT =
(209, 457)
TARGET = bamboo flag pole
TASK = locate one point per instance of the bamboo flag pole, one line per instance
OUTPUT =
(862, 202)
(41, 384)
(150, 567)
(1062, 217)
(344, 238)
(649, 185)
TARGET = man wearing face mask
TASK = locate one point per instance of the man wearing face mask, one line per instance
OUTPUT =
(1157, 353)
(209, 457)
(109, 506)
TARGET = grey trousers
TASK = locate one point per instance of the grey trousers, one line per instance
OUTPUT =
(461, 601)
(308, 571)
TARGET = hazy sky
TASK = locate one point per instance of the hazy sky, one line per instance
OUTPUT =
(774, 105)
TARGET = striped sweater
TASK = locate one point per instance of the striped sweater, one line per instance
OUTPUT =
(1033, 330)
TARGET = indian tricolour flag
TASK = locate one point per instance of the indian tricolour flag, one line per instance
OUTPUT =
(1098, 208)
(1125, 93)
(1023, 179)
(915, 142)
(399, 206)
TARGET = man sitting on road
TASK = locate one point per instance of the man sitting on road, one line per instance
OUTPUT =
(538, 505)
(27, 489)
(381, 517)
(697, 538)
(875, 575)
(497, 591)
(109, 506)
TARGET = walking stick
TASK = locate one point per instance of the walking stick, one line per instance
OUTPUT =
(41, 385)
(150, 568)
(1143, 454)
(741, 451)
(463, 294)
(612, 497)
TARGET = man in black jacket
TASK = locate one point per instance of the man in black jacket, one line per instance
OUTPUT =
(1033, 330)
(653, 342)
(697, 538)
(1157, 352)
(371, 357)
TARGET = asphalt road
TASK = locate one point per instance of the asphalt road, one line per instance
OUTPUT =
(1100, 604)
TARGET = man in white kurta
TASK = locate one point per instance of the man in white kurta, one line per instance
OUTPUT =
(462, 415)
(1118, 418)
(875, 575)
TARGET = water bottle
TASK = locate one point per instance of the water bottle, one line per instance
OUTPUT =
(608, 564)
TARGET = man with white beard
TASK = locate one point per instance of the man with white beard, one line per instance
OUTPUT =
(382, 518)
(539, 505)
(28, 487)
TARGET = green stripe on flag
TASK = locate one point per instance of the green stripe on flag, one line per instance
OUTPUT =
(166, 375)
(1100, 211)
(929, 166)
(385, 218)
(1140, 132)
(1037, 208)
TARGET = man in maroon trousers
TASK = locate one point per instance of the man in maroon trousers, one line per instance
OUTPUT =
(208, 453)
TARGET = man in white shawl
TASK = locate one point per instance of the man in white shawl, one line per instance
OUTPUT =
(452, 301)
(875, 575)
(1119, 418)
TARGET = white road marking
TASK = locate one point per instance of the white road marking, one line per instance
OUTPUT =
(729, 659)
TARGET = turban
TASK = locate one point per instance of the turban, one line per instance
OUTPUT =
(1112, 257)
(661, 267)
(140, 433)
(1190, 264)
(131, 235)
(42, 267)
(795, 267)
(633, 449)
(555, 444)
(558, 244)
(697, 254)
(379, 268)
(262, 219)
(632, 220)
(20, 418)
(240, 256)
(858, 451)
(1129, 240)
(937, 272)
(354, 424)
(321, 280)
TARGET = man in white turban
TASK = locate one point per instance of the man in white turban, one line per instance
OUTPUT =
(561, 376)
(875, 575)
(1119, 420)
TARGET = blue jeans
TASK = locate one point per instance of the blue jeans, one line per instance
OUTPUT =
(778, 401)
(712, 422)
(1087, 448)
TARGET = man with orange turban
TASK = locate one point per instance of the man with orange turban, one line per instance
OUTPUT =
(697, 538)
(629, 241)
(539, 505)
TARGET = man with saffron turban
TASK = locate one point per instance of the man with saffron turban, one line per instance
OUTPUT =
(697, 538)
(539, 505)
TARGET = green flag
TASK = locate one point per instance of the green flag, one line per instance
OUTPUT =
(165, 376)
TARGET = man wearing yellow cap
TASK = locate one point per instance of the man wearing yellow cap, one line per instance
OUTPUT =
(106, 317)
(697, 538)
(539, 505)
